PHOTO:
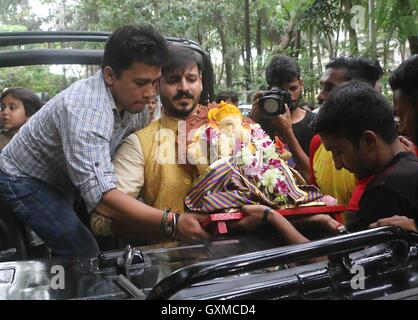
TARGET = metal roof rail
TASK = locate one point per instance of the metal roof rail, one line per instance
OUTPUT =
(204, 271)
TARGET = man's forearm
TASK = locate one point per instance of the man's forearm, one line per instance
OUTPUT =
(124, 209)
(289, 233)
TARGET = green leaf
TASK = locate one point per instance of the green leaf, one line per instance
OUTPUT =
(408, 26)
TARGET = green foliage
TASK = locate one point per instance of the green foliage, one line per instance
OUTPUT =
(12, 28)
(36, 78)
(18, 13)
(312, 31)
(408, 26)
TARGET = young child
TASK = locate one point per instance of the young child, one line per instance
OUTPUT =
(17, 106)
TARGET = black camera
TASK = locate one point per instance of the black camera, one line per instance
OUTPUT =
(272, 102)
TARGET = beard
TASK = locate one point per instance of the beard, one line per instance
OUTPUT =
(295, 104)
(179, 111)
(174, 111)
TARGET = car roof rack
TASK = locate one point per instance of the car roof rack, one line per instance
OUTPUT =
(336, 247)
(50, 56)
(26, 57)
(32, 37)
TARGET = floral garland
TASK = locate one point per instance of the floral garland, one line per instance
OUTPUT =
(255, 155)
(264, 167)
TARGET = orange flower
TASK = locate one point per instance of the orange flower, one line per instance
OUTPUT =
(279, 143)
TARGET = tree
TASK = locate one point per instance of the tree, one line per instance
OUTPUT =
(18, 13)
(247, 44)
(311, 31)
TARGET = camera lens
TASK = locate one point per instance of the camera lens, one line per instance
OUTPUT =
(271, 106)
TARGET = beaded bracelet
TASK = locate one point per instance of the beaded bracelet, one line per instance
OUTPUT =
(267, 211)
(163, 223)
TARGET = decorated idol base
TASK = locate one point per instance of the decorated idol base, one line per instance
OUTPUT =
(239, 164)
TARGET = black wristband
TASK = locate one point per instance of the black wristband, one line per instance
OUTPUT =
(267, 211)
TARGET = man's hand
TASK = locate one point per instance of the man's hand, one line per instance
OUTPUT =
(399, 221)
(318, 221)
(407, 144)
(188, 228)
(283, 122)
(255, 110)
(253, 218)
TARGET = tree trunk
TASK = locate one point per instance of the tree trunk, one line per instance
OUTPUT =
(64, 77)
(318, 55)
(328, 36)
(297, 46)
(372, 30)
(348, 4)
(311, 66)
(337, 38)
(402, 51)
(285, 41)
(407, 10)
(413, 44)
(221, 74)
(247, 44)
(199, 36)
(258, 43)
(226, 58)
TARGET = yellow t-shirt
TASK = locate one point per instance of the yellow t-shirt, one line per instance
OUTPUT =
(336, 183)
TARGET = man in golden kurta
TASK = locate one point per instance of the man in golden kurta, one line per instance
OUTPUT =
(151, 164)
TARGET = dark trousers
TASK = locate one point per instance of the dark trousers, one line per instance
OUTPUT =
(49, 213)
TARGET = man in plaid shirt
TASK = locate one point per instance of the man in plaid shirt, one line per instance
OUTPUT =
(67, 147)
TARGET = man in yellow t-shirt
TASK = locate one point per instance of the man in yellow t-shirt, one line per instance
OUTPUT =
(338, 183)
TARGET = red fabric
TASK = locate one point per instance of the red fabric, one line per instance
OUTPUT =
(315, 144)
(416, 150)
(353, 204)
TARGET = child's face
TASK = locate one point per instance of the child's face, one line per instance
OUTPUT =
(152, 105)
(13, 113)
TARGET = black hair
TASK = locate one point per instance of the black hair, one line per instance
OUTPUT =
(281, 69)
(31, 102)
(357, 68)
(351, 109)
(405, 79)
(130, 44)
(227, 95)
(181, 57)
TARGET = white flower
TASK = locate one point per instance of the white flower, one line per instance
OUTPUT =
(270, 152)
(255, 126)
(246, 156)
(262, 144)
(269, 178)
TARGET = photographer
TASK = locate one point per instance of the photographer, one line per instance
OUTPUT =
(291, 123)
